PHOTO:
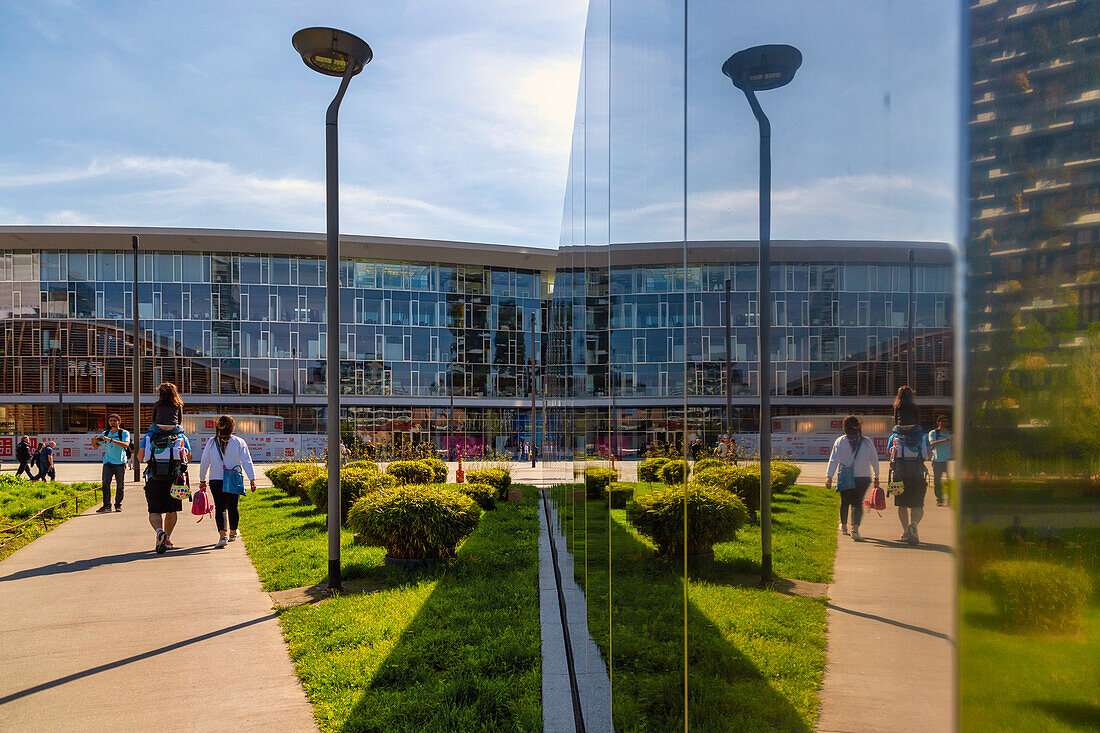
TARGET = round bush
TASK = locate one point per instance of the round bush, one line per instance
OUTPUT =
(718, 476)
(784, 474)
(438, 469)
(704, 463)
(650, 468)
(499, 478)
(410, 472)
(713, 516)
(277, 474)
(618, 494)
(364, 465)
(597, 479)
(483, 494)
(415, 521)
(354, 483)
(673, 472)
(1038, 595)
(297, 481)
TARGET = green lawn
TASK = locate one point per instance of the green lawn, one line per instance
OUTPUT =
(1020, 681)
(755, 658)
(453, 648)
(20, 499)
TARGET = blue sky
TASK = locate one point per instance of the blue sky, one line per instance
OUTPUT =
(200, 114)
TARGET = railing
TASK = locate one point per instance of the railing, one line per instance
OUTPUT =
(42, 515)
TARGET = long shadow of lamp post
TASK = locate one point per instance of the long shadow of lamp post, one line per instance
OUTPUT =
(333, 53)
(753, 70)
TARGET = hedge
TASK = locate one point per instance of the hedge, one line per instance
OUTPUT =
(410, 472)
(672, 472)
(365, 465)
(1038, 595)
(704, 463)
(415, 521)
(713, 516)
(298, 481)
(650, 469)
(597, 479)
(354, 483)
(483, 494)
(618, 494)
(499, 478)
(784, 474)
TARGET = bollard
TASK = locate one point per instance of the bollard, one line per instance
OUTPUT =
(459, 474)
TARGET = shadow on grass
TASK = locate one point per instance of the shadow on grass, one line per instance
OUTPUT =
(469, 659)
(636, 616)
(1080, 714)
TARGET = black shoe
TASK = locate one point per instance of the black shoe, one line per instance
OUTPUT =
(162, 542)
(103, 509)
(118, 508)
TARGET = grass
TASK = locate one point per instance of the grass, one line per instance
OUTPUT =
(1019, 681)
(456, 647)
(756, 658)
(20, 499)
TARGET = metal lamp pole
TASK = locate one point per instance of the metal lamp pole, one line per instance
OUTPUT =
(451, 394)
(533, 426)
(137, 362)
(729, 377)
(333, 53)
(909, 313)
(757, 69)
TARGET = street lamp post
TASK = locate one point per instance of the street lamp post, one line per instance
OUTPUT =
(752, 70)
(333, 53)
(909, 313)
(451, 394)
(136, 363)
(533, 426)
(729, 378)
(294, 389)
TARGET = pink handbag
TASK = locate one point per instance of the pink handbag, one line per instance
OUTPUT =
(201, 505)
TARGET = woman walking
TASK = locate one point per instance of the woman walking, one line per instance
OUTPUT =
(225, 458)
(909, 449)
(855, 456)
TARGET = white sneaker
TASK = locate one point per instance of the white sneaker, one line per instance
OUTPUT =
(222, 542)
(843, 528)
(914, 538)
(234, 536)
(856, 535)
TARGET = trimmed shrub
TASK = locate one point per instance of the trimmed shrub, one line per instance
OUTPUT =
(704, 463)
(1038, 595)
(784, 474)
(713, 516)
(297, 481)
(438, 469)
(718, 476)
(414, 521)
(597, 479)
(746, 485)
(483, 494)
(650, 469)
(410, 472)
(672, 473)
(499, 478)
(354, 483)
(278, 474)
(618, 494)
(364, 465)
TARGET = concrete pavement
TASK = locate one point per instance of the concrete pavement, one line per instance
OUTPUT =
(97, 633)
(891, 635)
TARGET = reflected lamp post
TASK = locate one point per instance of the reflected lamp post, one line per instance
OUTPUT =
(451, 395)
(334, 53)
(136, 365)
(754, 70)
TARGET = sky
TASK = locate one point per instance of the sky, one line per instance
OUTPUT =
(200, 114)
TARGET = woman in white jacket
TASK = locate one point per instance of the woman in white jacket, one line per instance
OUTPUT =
(857, 451)
(221, 452)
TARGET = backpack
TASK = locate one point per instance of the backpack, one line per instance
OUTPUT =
(876, 500)
(201, 505)
(907, 442)
(161, 463)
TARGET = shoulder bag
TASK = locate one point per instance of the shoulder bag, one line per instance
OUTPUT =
(232, 478)
(846, 477)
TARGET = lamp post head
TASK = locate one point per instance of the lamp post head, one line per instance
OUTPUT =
(763, 67)
(331, 51)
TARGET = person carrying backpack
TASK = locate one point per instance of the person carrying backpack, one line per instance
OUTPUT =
(116, 447)
(940, 441)
(854, 460)
(165, 457)
(908, 450)
(44, 459)
(25, 456)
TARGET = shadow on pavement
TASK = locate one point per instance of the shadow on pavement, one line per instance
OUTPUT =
(899, 624)
(59, 568)
(130, 660)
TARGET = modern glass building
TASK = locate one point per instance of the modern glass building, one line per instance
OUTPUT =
(237, 321)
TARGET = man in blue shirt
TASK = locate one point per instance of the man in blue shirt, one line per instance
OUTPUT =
(115, 442)
(45, 462)
(940, 440)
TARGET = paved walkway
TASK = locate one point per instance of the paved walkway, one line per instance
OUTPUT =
(890, 659)
(97, 633)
